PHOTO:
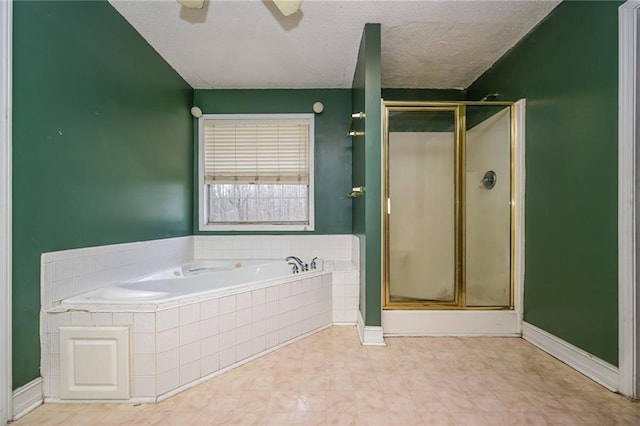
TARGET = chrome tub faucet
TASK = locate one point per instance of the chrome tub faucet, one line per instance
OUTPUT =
(303, 266)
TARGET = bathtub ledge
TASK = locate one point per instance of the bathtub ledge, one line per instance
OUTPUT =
(151, 306)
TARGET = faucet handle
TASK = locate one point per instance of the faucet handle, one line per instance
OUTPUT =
(313, 263)
(295, 267)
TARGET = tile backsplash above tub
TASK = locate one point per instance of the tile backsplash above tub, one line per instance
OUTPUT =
(328, 247)
(68, 273)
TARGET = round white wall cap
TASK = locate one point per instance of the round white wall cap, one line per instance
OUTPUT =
(318, 107)
(196, 112)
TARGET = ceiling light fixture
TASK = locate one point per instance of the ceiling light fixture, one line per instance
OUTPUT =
(288, 7)
(192, 4)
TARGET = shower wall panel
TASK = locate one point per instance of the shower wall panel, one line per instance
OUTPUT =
(487, 248)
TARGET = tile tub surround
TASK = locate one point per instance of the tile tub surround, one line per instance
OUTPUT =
(346, 291)
(339, 252)
(178, 347)
(68, 273)
(72, 272)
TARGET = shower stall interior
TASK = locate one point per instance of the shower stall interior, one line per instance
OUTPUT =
(449, 205)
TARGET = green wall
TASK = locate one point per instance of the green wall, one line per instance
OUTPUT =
(332, 144)
(102, 148)
(366, 171)
(567, 70)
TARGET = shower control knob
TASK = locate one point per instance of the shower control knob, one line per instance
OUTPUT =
(489, 179)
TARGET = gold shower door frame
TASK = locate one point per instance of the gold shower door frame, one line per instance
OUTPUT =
(459, 110)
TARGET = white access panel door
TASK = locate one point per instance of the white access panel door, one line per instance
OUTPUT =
(94, 363)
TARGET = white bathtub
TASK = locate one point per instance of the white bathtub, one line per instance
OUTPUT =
(193, 279)
(184, 325)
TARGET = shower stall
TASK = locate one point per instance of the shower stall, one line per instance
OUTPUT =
(449, 205)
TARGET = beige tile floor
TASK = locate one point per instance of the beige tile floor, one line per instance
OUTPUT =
(328, 378)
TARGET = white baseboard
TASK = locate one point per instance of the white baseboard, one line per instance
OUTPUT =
(451, 323)
(369, 335)
(27, 398)
(594, 368)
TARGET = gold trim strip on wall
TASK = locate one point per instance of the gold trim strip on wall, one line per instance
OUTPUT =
(385, 216)
(514, 152)
(461, 279)
(435, 104)
(434, 305)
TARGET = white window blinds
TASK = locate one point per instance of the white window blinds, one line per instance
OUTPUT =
(255, 151)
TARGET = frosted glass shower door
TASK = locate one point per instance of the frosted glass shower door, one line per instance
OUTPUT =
(422, 192)
(488, 206)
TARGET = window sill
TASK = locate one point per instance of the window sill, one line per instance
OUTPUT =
(256, 227)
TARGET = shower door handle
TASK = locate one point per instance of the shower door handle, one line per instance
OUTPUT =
(388, 205)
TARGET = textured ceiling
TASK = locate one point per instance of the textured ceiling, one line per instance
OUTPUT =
(245, 44)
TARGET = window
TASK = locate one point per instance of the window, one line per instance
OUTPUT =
(256, 172)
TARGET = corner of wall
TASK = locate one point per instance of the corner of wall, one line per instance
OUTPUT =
(369, 335)
(6, 46)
